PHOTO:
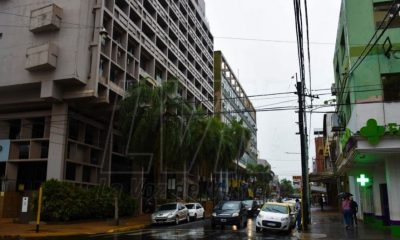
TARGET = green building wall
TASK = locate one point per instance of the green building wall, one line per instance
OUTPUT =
(355, 29)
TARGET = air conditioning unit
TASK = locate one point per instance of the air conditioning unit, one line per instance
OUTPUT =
(333, 89)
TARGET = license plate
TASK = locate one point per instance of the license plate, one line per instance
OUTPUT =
(271, 224)
(223, 220)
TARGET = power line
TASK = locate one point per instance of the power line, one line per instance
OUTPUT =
(267, 40)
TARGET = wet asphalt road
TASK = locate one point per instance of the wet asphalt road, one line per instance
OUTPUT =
(197, 230)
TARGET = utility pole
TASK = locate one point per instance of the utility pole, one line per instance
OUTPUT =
(305, 200)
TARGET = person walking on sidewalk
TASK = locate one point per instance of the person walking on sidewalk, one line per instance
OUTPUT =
(321, 202)
(354, 210)
(297, 208)
(346, 211)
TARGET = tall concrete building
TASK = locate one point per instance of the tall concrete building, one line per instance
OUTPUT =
(66, 64)
(231, 102)
(366, 145)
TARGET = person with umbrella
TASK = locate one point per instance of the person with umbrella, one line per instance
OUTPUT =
(346, 207)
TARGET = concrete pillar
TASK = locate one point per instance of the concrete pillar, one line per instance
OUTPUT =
(393, 186)
(58, 137)
(11, 176)
(378, 178)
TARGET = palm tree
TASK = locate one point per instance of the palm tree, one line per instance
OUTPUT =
(262, 175)
(155, 120)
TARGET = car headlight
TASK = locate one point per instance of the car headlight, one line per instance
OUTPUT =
(284, 219)
(249, 209)
(235, 214)
(260, 215)
(214, 214)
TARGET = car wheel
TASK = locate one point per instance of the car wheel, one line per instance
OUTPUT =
(239, 224)
(195, 217)
(176, 220)
(258, 229)
(187, 218)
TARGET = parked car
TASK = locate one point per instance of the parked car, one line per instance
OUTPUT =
(260, 203)
(196, 211)
(229, 213)
(170, 213)
(276, 216)
(252, 207)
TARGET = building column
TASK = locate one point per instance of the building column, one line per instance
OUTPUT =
(393, 186)
(378, 178)
(57, 143)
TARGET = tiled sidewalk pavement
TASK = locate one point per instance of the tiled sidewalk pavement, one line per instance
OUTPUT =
(328, 225)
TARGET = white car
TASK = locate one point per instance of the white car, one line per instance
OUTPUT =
(275, 216)
(170, 213)
(196, 211)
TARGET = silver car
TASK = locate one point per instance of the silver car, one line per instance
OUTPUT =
(196, 211)
(170, 213)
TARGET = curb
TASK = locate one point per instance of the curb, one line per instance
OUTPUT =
(129, 228)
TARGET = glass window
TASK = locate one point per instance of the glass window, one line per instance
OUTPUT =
(190, 206)
(275, 208)
(380, 10)
(229, 206)
(391, 87)
(167, 207)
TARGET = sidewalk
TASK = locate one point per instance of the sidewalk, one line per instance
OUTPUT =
(328, 225)
(8, 229)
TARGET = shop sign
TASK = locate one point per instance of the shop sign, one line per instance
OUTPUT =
(362, 180)
(374, 132)
(4, 149)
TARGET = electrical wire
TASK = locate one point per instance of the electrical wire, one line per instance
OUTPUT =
(266, 40)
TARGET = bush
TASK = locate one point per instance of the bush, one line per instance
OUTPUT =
(63, 201)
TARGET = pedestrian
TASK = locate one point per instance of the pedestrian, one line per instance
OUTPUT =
(346, 211)
(321, 202)
(297, 208)
(354, 210)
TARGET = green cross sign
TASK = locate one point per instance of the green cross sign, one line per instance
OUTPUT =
(362, 179)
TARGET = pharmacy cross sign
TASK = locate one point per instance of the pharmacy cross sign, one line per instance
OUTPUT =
(362, 179)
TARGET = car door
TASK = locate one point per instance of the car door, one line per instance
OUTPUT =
(181, 212)
(199, 211)
(243, 210)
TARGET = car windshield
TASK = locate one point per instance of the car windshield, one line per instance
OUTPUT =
(190, 206)
(248, 202)
(274, 208)
(229, 206)
(167, 207)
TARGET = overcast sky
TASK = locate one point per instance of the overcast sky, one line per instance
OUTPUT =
(265, 67)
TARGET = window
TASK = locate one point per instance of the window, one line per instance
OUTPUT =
(391, 87)
(73, 129)
(38, 125)
(380, 10)
(15, 129)
(86, 174)
(70, 171)
(343, 46)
